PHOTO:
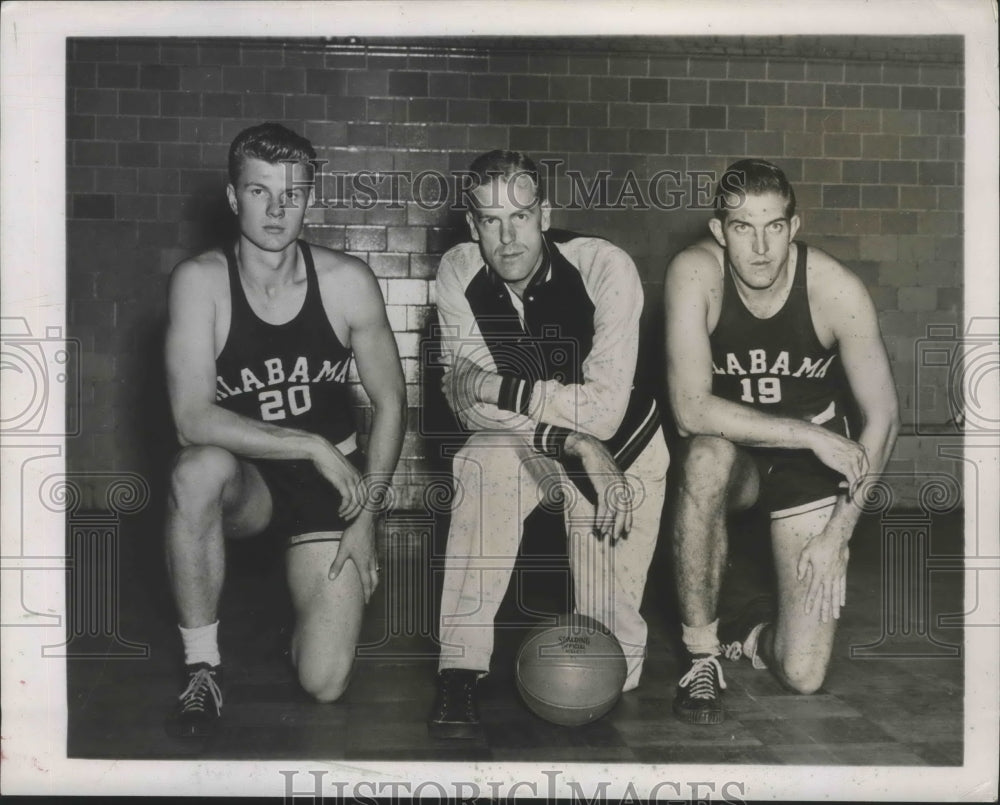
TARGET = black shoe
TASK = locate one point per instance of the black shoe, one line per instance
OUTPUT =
(456, 706)
(200, 703)
(699, 692)
(739, 635)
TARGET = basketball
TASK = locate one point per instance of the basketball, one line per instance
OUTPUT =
(572, 672)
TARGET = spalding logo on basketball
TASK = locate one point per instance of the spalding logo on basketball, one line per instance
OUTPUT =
(570, 673)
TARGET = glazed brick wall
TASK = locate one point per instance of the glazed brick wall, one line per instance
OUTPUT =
(869, 131)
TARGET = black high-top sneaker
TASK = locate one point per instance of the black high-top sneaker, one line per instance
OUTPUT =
(199, 705)
(699, 691)
(456, 706)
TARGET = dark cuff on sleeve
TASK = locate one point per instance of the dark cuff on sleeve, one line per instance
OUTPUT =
(550, 440)
(515, 394)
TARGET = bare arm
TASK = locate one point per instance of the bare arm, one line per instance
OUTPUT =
(190, 361)
(862, 352)
(847, 307)
(381, 375)
(692, 278)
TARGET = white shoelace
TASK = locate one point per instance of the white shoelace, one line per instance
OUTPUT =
(700, 680)
(736, 649)
(732, 651)
(194, 694)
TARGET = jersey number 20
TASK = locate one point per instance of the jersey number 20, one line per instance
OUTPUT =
(768, 390)
(272, 402)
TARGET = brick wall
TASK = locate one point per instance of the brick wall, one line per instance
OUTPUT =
(869, 130)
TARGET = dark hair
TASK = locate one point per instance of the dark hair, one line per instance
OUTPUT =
(752, 177)
(506, 164)
(270, 142)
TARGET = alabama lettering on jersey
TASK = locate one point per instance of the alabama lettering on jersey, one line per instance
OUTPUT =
(776, 364)
(293, 374)
(275, 374)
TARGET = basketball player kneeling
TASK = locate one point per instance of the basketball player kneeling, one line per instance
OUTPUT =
(259, 342)
(767, 342)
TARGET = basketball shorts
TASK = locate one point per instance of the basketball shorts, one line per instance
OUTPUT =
(303, 501)
(795, 481)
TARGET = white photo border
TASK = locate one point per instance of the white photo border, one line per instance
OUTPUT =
(32, 190)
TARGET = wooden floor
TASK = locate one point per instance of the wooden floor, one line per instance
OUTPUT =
(893, 696)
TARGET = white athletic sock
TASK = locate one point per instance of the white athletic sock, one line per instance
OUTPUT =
(201, 644)
(701, 639)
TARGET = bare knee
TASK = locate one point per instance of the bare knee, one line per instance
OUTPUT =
(802, 676)
(804, 684)
(325, 685)
(710, 457)
(708, 464)
(326, 692)
(708, 452)
(200, 474)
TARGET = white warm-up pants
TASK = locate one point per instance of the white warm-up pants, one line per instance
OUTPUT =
(499, 480)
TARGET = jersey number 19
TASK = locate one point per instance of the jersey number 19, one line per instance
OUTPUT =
(768, 390)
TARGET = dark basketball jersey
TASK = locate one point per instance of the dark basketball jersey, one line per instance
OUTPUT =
(778, 364)
(293, 374)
